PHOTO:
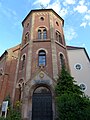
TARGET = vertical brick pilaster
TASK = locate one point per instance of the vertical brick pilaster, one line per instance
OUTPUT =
(53, 47)
(29, 58)
(15, 81)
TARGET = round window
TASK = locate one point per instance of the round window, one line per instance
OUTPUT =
(82, 86)
(42, 18)
(78, 66)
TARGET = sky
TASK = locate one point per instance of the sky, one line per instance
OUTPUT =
(76, 15)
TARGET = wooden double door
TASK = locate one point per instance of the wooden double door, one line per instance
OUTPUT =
(42, 104)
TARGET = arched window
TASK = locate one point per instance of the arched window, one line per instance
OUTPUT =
(26, 39)
(20, 89)
(56, 36)
(59, 37)
(1, 72)
(44, 34)
(42, 58)
(62, 62)
(39, 34)
(19, 92)
(23, 61)
(42, 89)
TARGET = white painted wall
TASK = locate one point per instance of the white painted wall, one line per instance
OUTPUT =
(83, 75)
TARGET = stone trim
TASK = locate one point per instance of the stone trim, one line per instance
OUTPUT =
(53, 47)
(41, 49)
(29, 57)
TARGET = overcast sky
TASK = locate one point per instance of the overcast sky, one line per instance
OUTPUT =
(76, 15)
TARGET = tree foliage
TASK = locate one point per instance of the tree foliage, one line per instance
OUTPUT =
(70, 100)
(14, 114)
(66, 84)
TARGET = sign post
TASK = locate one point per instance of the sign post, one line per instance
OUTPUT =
(4, 108)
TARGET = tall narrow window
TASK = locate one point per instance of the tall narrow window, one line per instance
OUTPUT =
(39, 34)
(62, 62)
(59, 37)
(26, 38)
(19, 92)
(1, 72)
(56, 36)
(23, 61)
(44, 34)
(42, 58)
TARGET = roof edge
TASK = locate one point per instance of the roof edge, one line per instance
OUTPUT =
(4, 54)
(75, 48)
(35, 10)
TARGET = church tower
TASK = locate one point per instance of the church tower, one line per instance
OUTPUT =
(42, 54)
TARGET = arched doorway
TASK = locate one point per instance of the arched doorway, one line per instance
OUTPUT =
(42, 104)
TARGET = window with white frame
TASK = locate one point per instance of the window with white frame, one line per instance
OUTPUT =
(83, 87)
(78, 66)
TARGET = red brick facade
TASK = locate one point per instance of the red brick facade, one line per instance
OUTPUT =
(8, 63)
(21, 64)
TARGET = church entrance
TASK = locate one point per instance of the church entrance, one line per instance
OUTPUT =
(42, 104)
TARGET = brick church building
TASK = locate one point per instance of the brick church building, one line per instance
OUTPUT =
(28, 71)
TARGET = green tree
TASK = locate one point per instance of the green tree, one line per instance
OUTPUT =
(2, 118)
(70, 100)
(66, 84)
(14, 113)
